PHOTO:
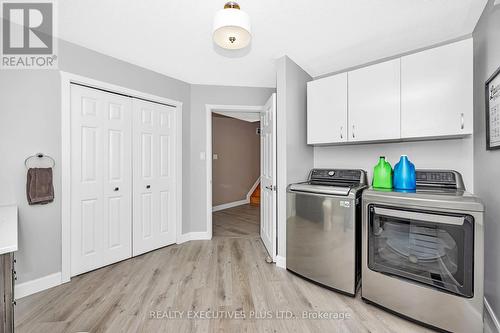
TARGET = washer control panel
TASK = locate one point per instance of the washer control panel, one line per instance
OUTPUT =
(338, 175)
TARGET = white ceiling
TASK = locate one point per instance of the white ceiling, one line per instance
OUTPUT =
(173, 37)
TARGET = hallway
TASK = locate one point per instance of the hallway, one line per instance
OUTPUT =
(240, 221)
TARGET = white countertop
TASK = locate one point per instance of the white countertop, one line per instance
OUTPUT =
(8, 229)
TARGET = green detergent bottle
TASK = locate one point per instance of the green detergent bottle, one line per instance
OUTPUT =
(382, 174)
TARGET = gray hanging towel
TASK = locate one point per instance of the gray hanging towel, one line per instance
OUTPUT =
(39, 186)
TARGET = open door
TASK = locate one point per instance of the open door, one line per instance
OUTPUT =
(268, 176)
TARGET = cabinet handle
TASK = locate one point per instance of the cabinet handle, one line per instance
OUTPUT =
(117, 189)
(341, 132)
(353, 136)
(462, 120)
(148, 186)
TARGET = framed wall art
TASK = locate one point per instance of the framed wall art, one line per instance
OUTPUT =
(492, 91)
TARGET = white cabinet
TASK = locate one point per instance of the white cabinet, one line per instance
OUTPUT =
(374, 102)
(327, 110)
(437, 91)
(423, 95)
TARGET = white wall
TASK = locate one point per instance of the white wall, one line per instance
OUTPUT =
(295, 157)
(439, 154)
(487, 163)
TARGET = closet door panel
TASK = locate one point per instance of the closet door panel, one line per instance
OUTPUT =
(154, 176)
(118, 179)
(100, 179)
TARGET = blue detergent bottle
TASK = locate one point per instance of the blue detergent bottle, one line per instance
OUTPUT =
(404, 175)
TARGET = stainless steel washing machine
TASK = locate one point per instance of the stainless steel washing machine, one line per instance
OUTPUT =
(323, 228)
(422, 253)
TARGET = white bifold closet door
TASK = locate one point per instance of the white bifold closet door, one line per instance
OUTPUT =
(101, 178)
(154, 196)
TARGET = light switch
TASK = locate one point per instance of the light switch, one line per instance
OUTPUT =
(216, 157)
(202, 156)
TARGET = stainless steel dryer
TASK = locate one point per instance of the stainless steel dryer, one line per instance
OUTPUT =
(323, 228)
(423, 252)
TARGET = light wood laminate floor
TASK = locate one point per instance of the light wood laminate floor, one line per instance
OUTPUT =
(227, 274)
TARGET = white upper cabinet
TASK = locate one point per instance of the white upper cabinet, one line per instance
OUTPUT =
(423, 95)
(437, 91)
(374, 102)
(327, 110)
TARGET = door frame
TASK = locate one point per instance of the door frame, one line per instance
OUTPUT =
(66, 80)
(210, 108)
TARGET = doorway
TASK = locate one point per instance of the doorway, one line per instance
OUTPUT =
(241, 191)
(236, 174)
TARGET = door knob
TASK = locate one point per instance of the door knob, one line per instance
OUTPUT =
(117, 189)
(148, 186)
(271, 187)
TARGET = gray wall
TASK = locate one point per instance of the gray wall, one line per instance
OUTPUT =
(200, 96)
(30, 122)
(295, 157)
(82, 61)
(487, 163)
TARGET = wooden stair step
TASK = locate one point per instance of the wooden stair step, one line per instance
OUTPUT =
(255, 197)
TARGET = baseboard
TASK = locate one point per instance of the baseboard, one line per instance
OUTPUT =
(34, 286)
(203, 235)
(230, 205)
(281, 262)
(492, 315)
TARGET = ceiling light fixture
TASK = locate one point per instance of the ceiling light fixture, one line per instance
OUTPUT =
(232, 27)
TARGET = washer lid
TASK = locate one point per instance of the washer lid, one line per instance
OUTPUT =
(428, 198)
(321, 189)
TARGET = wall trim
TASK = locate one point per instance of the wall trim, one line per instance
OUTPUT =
(208, 156)
(34, 286)
(254, 186)
(230, 205)
(492, 315)
(191, 236)
(65, 164)
(281, 262)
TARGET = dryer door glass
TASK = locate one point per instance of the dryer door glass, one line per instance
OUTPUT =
(431, 248)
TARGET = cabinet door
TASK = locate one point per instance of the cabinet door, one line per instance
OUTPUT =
(327, 110)
(437, 91)
(374, 102)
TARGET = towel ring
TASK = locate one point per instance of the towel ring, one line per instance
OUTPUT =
(39, 156)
